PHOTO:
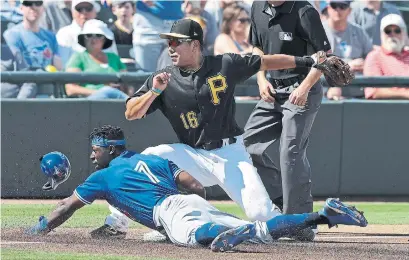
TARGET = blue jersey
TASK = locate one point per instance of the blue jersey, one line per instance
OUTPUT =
(133, 183)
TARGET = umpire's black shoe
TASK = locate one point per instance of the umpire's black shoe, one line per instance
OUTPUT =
(279, 202)
(107, 232)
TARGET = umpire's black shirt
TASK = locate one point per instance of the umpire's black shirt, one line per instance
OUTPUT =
(293, 28)
(201, 106)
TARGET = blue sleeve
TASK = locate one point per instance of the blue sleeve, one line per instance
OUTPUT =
(174, 169)
(93, 188)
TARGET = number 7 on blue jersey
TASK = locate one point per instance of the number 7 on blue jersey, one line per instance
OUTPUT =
(141, 166)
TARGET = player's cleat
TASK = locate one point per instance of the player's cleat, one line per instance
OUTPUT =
(154, 236)
(107, 232)
(338, 213)
(233, 237)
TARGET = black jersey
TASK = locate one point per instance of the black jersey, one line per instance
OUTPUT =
(201, 106)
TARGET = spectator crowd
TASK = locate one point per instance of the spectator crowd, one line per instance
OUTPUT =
(110, 36)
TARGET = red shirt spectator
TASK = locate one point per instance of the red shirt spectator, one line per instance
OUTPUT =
(389, 60)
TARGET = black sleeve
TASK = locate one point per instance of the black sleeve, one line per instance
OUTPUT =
(253, 39)
(147, 86)
(242, 67)
(312, 30)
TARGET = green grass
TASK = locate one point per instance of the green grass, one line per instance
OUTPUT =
(94, 215)
(18, 254)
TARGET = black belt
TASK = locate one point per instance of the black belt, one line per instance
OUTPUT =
(218, 144)
(286, 82)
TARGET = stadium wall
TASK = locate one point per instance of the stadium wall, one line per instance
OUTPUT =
(357, 148)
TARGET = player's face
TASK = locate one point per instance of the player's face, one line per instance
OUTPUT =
(181, 52)
(100, 157)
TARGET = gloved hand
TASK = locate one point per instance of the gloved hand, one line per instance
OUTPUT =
(336, 71)
(41, 228)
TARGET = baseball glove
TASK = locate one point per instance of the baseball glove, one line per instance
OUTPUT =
(336, 71)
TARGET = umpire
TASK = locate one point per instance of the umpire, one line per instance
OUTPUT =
(289, 104)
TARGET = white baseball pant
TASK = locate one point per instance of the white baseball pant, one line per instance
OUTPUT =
(230, 167)
(182, 215)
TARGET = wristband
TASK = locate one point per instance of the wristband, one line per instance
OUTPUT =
(305, 61)
(156, 91)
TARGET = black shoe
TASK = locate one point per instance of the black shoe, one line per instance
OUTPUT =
(107, 232)
(279, 202)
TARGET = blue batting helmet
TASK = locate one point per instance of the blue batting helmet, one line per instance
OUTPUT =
(56, 167)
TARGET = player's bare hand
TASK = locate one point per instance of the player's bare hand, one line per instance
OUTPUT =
(161, 80)
(299, 96)
(267, 91)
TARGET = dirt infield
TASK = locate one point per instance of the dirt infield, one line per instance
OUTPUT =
(373, 242)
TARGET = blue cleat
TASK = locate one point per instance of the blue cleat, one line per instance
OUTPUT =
(338, 213)
(233, 237)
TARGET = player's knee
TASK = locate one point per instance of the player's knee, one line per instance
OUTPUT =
(261, 210)
(160, 150)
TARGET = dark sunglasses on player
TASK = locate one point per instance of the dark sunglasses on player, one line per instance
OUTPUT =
(396, 31)
(33, 3)
(339, 5)
(176, 42)
(97, 36)
(244, 20)
(86, 9)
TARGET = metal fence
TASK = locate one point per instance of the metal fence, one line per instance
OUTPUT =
(55, 81)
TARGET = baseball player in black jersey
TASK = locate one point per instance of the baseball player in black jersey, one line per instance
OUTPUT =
(196, 94)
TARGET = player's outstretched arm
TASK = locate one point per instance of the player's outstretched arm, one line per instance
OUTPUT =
(188, 183)
(282, 61)
(64, 210)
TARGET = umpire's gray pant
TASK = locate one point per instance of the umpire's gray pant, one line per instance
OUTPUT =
(292, 125)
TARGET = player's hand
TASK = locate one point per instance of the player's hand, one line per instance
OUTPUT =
(161, 80)
(299, 96)
(39, 229)
(267, 91)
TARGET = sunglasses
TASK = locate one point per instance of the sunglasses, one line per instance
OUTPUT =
(86, 9)
(339, 5)
(176, 42)
(244, 20)
(396, 31)
(33, 3)
(97, 36)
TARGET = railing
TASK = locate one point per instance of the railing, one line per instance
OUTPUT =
(139, 78)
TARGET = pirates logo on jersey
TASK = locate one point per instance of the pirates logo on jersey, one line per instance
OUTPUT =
(216, 84)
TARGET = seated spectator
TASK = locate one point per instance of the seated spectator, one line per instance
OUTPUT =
(57, 15)
(32, 46)
(389, 60)
(95, 37)
(347, 40)
(234, 33)
(368, 15)
(152, 18)
(164, 59)
(10, 90)
(67, 37)
(216, 8)
(11, 15)
(123, 28)
(197, 8)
